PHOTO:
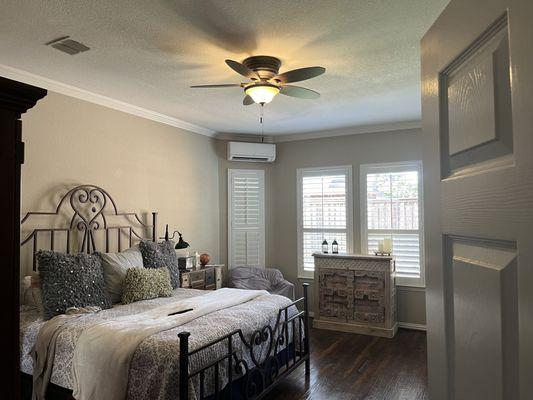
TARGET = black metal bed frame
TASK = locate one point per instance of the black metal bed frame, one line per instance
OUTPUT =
(260, 376)
(287, 342)
(87, 209)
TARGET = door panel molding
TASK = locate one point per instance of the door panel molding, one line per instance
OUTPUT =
(475, 105)
(482, 318)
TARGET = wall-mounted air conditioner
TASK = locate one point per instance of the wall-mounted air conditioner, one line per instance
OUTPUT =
(251, 152)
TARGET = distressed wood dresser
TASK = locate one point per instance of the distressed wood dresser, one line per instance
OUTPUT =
(355, 293)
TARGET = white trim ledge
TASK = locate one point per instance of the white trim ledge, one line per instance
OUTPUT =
(415, 327)
(396, 127)
(399, 127)
(82, 94)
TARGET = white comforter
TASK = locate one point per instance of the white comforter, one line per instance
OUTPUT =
(103, 353)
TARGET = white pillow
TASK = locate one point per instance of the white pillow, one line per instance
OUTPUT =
(115, 266)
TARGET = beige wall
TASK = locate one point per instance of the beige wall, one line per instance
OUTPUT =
(281, 219)
(145, 166)
(351, 150)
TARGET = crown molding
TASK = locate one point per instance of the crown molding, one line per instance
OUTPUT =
(400, 127)
(82, 94)
(354, 130)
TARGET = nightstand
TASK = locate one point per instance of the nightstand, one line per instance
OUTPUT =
(211, 277)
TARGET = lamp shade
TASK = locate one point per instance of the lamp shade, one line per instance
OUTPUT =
(182, 244)
(262, 93)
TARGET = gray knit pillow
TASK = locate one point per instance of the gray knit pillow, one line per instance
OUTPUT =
(146, 283)
(159, 255)
(71, 280)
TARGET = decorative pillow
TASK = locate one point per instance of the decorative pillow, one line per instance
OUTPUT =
(159, 255)
(70, 280)
(146, 283)
(115, 266)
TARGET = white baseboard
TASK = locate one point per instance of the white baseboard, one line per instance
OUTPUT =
(408, 325)
(405, 325)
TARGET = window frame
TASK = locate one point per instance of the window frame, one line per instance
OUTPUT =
(262, 227)
(403, 166)
(321, 171)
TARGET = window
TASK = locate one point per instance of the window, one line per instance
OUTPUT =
(246, 218)
(391, 201)
(324, 212)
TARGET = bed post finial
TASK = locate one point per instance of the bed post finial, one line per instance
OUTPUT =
(306, 330)
(154, 226)
(184, 365)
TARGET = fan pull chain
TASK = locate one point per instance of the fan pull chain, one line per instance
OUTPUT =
(261, 122)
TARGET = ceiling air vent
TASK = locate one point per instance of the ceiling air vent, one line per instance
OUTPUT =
(67, 45)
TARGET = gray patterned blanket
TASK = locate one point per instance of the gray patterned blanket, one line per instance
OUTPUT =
(154, 372)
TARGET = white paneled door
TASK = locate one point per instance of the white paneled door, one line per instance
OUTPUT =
(477, 117)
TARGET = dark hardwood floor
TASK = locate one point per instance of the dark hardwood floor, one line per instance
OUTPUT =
(349, 366)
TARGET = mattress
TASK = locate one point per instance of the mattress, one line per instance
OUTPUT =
(154, 372)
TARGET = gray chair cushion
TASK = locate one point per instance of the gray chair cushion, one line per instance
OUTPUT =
(115, 266)
(71, 280)
(159, 255)
(269, 279)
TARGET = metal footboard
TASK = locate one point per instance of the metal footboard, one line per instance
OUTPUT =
(282, 348)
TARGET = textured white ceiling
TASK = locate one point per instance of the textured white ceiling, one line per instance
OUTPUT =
(147, 53)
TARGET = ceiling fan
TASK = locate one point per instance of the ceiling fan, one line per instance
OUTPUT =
(267, 82)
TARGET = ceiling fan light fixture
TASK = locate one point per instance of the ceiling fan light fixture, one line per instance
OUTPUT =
(262, 93)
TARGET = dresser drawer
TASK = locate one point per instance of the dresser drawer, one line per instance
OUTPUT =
(369, 315)
(209, 277)
(218, 278)
(185, 280)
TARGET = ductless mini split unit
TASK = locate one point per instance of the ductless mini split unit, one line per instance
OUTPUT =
(251, 152)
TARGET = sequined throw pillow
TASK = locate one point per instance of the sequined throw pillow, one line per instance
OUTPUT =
(70, 280)
(159, 255)
(146, 283)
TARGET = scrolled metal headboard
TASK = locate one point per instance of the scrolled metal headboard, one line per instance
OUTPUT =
(83, 211)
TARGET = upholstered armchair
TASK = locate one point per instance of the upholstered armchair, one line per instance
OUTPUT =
(268, 279)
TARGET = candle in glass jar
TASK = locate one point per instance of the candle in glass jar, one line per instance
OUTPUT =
(387, 245)
(381, 246)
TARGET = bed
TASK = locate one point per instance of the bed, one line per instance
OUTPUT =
(238, 352)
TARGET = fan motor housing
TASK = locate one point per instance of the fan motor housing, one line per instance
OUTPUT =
(266, 66)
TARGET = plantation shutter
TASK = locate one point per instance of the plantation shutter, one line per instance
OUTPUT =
(246, 218)
(324, 212)
(392, 211)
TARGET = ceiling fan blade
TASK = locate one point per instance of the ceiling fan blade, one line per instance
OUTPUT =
(218, 86)
(300, 92)
(300, 74)
(242, 69)
(247, 100)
